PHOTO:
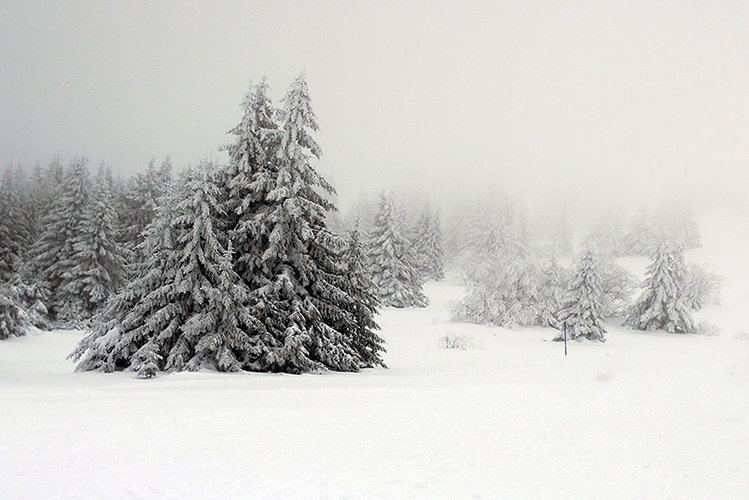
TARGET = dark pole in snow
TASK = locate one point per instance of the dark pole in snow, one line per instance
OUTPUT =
(565, 337)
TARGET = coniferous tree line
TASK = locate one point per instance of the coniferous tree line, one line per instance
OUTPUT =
(229, 266)
(513, 281)
(404, 249)
(247, 266)
(240, 270)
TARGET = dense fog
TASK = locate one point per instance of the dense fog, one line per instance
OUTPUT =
(578, 104)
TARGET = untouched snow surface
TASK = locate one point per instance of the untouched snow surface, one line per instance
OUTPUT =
(645, 415)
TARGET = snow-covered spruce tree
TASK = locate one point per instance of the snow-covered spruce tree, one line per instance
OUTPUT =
(663, 303)
(490, 226)
(561, 237)
(96, 267)
(551, 288)
(581, 311)
(362, 213)
(428, 246)
(36, 200)
(393, 269)
(44, 187)
(18, 230)
(248, 179)
(189, 310)
(676, 223)
(639, 237)
(290, 260)
(302, 297)
(359, 286)
(62, 223)
(606, 237)
(136, 208)
(31, 299)
(13, 320)
(502, 291)
(8, 256)
(15, 230)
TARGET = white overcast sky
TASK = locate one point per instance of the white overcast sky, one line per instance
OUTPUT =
(569, 96)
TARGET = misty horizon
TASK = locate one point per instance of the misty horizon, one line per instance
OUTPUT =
(578, 102)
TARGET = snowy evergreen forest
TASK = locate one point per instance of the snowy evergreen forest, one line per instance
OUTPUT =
(247, 264)
(374, 250)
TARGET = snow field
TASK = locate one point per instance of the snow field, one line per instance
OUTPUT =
(641, 416)
(644, 415)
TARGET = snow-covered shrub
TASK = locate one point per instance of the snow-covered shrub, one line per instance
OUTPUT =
(707, 328)
(702, 287)
(461, 342)
(502, 291)
(617, 286)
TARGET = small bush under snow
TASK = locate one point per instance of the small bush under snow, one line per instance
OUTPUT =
(462, 342)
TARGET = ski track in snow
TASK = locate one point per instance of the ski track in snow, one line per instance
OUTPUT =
(645, 415)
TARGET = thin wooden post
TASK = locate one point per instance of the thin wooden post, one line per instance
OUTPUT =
(565, 337)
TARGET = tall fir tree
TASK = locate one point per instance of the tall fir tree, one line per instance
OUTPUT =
(290, 299)
(248, 179)
(54, 252)
(8, 249)
(581, 312)
(663, 303)
(360, 288)
(561, 237)
(46, 184)
(606, 237)
(137, 207)
(16, 233)
(19, 231)
(189, 310)
(300, 298)
(394, 269)
(675, 222)
(550, 294)
(639, 238)
(428, 246)
(491, 226)
(97, 266)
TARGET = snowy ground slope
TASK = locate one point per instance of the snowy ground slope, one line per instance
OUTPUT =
(643, 415)
(651, 415)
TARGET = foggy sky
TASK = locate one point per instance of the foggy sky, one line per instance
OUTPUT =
(569, 99)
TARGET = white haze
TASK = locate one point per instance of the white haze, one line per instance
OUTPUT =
(577, 101)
